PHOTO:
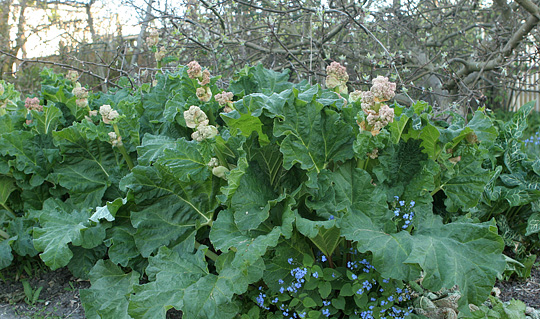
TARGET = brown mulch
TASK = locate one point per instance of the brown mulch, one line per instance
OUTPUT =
(527, 290)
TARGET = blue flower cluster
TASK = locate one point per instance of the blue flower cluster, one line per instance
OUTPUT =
(385, 295)
(385, 313)
(403, 212)
(260, 300)
(533, 140)
(363, 264)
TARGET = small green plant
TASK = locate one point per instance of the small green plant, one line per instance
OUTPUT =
(70, 288)
(495, 308)
(32, 295)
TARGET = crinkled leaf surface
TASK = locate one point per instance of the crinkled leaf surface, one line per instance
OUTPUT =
(313, 137)
(7, 186)
(399, 164)
(465, 184)
(483, 127)
(22, 229)
(47, 120)
(85, 179)
(121, 243)
(5, 252)
(323, 234)
(211, 296)
(61, 224)
(32, 154)
(152, 148)
(108, 295)
(90, 167)
(258, 79)
(167, 207)
(249, 203)
(250, 246)
(186, 162)
(84, 260)
(355, 192)
(465, 254)
(171, 274)
(245, 117)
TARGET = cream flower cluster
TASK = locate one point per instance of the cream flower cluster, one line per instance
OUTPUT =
(382, 89)
(217, 169)
(160, 55)
(378, 114)
(33, 104)
(204, 132)
(153, 38)
(80, 93)
(108, 114)
(116, 141)
(194, 71)
(197, 119)
(337, 77)
(225, 99)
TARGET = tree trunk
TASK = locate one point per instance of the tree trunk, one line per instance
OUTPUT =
(142, 34)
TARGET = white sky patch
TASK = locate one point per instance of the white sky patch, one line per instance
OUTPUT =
(45, 35)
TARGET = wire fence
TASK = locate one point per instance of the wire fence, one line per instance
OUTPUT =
(528, 90)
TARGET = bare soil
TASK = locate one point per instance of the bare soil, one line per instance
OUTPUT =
(58, 298)
(527, 291)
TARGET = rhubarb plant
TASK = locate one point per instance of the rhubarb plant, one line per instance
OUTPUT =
(214, 202)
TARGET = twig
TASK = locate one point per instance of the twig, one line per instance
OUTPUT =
(62, 65)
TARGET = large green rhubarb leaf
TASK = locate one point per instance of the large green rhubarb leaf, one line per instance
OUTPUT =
(245, 117)
(6, 257)
(399, 164)
(121, 243)
(250, 208)
(108, 295)
(7, 186)
(249, 246)
(186, 162)
(61, 224)
(84, 260)
(32, 154)
(85, 180)
(171, 275)
(465, 184)
(258, 79)
(152, 148)
(90, 166)
(463, 254)
(167, 207)
(47, 121)
(313, 136)
(212, 295)
(22, 229)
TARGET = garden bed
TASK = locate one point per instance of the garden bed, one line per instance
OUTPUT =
(59, 297)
